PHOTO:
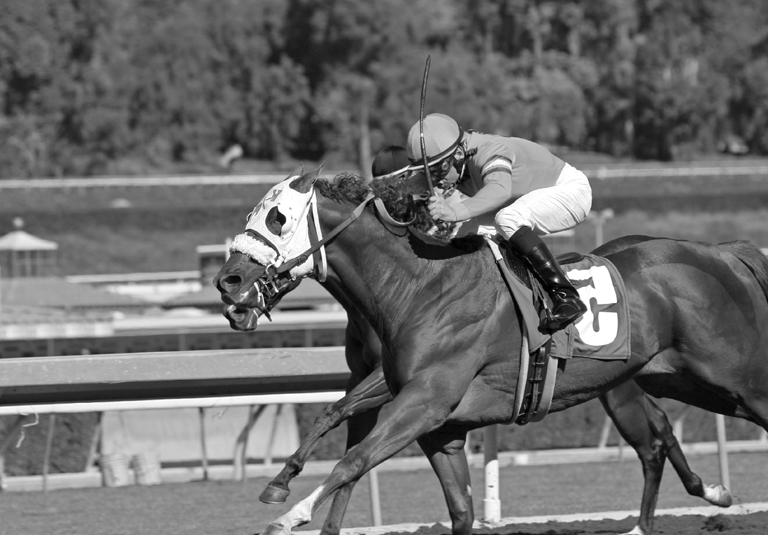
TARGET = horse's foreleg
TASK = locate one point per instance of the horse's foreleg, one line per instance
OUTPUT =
(419, 408)
(445, 451)
(357, 428)
(371, 392)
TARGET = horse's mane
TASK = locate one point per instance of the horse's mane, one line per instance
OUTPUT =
(397, 195)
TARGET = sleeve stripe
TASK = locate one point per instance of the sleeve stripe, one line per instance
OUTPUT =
(497, 164)
(497, 169)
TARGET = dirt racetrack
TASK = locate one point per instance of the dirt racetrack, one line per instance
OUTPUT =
(752, 524)
(410, 499)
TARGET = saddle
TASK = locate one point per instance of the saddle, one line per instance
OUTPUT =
(603, 332)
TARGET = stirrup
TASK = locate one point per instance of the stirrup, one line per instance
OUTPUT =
(552, 323)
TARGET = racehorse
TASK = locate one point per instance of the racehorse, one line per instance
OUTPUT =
(640, 422)
(449, 327)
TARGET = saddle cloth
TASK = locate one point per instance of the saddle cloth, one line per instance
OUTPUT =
(602, 333)
(604, 330)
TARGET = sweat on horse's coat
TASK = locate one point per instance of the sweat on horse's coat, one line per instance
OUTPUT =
(697, 310)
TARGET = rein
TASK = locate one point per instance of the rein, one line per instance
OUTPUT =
(304, 256)
(274, 280)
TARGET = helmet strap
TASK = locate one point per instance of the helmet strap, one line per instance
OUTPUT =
(465, 155)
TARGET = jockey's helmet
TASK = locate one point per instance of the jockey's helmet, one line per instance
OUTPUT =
(390, 161)
(442, 136)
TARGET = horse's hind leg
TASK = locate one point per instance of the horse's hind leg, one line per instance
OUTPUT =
(715, 494)
(646, 428)
(445, 451)
(357, 428)
(624, 406)
(371, 392)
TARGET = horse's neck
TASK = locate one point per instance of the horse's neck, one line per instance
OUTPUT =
(377, 273)
(369, 268)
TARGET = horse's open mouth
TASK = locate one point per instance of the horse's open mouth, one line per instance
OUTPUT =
(242, 318)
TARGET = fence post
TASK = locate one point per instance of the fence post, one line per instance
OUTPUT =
(491, 503)
(203, 444)
(47, 454)
(373, 483)
(722, 451)
(605, 433)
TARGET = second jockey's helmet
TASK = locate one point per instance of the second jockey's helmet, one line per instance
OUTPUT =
(390, 161)
(442, 136)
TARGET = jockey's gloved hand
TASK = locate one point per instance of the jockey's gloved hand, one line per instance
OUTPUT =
(441, 209)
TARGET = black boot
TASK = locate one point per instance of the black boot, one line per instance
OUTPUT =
(566, 305)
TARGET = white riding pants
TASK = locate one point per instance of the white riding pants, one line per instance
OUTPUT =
(547, 210)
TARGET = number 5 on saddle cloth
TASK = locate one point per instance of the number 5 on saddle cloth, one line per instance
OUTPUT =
(602, 333)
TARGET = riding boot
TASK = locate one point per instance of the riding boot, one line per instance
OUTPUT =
(566, 305)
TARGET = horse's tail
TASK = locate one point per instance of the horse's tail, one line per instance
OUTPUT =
(753, 258)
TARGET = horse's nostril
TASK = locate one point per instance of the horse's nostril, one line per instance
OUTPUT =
(231, 282)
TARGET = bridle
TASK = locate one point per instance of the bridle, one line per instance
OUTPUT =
(276, 278)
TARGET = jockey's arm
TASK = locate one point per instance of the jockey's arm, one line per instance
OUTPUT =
(497, 192)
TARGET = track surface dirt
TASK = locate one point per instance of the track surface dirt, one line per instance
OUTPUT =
(753, 524)
(232, 508)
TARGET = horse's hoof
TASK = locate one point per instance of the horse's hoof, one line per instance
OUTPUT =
(718, 495)
(275, 529)
(273, 495)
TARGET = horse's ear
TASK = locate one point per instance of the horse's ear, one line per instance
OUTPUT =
(304, 183)
(299, 170)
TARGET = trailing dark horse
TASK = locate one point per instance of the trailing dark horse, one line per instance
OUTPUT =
(450, 329)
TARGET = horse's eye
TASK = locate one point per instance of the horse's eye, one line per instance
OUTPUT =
(275, 221)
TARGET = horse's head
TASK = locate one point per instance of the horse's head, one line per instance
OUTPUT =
(256, 276)
(281, 242)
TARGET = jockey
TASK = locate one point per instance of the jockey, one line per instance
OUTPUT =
(389, 162)
(526, 189)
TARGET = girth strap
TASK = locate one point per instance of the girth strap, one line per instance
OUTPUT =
(538, 372)
(540, 381)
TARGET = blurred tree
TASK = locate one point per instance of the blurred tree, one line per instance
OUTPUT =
(50, 59)
(99, 86)
(345, 48)
(754, 104)
(609, 33)
(745, 59)
(682, 91)
(207, 74)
